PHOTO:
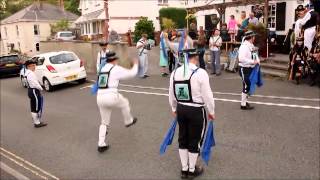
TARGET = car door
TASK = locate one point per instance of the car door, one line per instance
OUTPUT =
(40, 68)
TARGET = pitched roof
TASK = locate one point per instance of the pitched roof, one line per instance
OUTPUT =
(36, 12)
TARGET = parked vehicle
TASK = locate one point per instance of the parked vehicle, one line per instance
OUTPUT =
(10, 64)
(56, 68)
(64, 36)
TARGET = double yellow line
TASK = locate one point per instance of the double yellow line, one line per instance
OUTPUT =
(26, 165)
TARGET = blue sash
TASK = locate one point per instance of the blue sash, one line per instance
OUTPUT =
(169, 137)
(208, 143)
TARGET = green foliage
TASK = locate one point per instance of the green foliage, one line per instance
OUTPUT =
(168, 23)
(62, 25)
(177, 15)
(143, 26)
(72, 6)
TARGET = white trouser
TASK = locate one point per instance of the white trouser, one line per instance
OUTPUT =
(107, 101)
(143, 65)
(309, 35)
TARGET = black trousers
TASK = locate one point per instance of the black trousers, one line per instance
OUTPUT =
(202, 63)
(245, 74)
(171, 60)
(35, 100)
(192, 127)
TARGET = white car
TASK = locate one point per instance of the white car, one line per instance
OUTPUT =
(56, 68)
(65, 36)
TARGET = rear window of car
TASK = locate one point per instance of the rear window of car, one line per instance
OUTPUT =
(65, 34)
(6, 59)
(63, 58)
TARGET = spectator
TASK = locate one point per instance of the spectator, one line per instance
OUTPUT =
(224, 33)
(201, 43)
(243, 25)
(232, 28)
(171, 37)
(253, 20)
(143, 49)
(215, 43)
(163, 54)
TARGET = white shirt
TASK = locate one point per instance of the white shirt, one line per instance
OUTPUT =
(32, 80)
(215, 40)
(306, 18)
(254, 21)
(200, 88)
(297, 28)
(245, 54)
(117, 73)
(101, 54)
(142, 42)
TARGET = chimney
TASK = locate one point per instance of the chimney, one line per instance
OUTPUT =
(61, 4)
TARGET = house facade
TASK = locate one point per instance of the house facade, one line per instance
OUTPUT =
(23, 31)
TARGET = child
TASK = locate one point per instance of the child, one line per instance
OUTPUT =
(232, 28)
(34, 94)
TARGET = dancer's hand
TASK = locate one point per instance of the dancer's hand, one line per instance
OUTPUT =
(174, 113)
(211, 117)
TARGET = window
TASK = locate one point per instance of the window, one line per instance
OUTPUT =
(272, 16)
(94, 27)
(62, 58)
(37, 47)
(36, 29)
(6, 31)
(162, 1)
(17, 30)
(87, 28)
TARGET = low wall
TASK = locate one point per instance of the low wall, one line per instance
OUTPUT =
(87, 51)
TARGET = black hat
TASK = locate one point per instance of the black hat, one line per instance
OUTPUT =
(28, 62)
(300, 8)
(111, 56)
(103, 43)
(249, 34)
(191, 52)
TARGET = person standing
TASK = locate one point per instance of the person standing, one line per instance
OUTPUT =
(171, 38)
(232, 25)
(248, 58)
(143, 49)
(215, 43)
(253, 20)
(201, 45)
(308, 23)
(34, 88)
(163, 54)
(189, 93)
(102, 54)
(108, 97)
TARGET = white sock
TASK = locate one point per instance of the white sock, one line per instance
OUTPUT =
(184, 159)
(35, 118)
(102, 135)
(244, 98)
(192, 161)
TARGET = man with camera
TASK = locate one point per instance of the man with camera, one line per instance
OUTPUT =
(143, 48)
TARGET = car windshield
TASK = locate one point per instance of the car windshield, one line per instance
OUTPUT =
(62, 58)
(65, 34)
(6, 59)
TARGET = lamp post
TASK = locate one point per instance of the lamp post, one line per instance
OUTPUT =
(106, 22)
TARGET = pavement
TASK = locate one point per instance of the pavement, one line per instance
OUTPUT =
(278, 140)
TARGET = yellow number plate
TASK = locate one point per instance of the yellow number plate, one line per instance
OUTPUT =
(70, 78)
(10, 65)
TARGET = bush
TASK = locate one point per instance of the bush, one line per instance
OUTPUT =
(143, 26)
(177, 15)
(168, 24)
(261, 38)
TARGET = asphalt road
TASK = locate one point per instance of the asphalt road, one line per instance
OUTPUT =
(277, 140)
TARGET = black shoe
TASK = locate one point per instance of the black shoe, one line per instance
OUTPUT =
(218, 74)
(212, 73)
(184, 174)
(145, 76)
(247, 107)
(103, 148)
(197, 172)
(133, 122)
(40, 125)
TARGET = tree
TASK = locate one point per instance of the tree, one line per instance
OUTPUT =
(143, 26)
(168, 23)
(176, 14)
(72, 6)
(62, 25)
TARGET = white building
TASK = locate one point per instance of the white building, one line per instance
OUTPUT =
(24, 30)
(123, 14)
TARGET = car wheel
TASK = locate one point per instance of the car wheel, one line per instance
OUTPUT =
(23, 82)
(47, 86)
(81, 81)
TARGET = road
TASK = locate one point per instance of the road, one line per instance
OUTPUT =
(277, 140)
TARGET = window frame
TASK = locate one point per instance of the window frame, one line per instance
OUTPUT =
(272, 19)
(36, 29)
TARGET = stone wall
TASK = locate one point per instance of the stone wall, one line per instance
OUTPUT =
(87, 51)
